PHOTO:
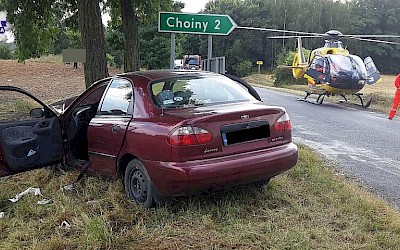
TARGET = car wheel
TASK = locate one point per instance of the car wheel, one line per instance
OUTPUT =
(260, 184)
(138, 184)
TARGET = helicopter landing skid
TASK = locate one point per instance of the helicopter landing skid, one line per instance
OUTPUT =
(366, 105)
(319, 100)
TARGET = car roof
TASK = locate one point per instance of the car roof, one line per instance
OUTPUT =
(166, 73)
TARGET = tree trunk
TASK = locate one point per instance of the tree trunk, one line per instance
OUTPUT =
(92, 36)
(130, 29)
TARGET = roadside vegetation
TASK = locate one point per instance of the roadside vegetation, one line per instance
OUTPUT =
(308, 207)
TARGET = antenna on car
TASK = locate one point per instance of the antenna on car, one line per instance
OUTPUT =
(162, 110)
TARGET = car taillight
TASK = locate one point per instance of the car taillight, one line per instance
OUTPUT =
(283, 123)
(189, 135)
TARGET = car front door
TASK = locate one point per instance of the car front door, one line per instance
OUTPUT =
(107, 129)
(30, 132)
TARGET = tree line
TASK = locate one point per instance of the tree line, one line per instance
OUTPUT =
(242, 47)
(131, 39)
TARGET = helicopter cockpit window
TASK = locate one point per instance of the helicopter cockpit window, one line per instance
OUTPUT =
(333, 44)
(358, 63)
(319, 64)
(339, 63)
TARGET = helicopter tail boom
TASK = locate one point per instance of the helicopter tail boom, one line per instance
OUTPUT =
(299, 65)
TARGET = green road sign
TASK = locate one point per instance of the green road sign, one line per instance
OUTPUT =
(195, 23)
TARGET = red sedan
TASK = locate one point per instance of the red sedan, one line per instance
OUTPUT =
(165, 132)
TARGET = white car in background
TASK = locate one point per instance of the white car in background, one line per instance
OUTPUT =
(178, 64)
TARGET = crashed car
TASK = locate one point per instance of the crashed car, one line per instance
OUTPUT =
(164, 132)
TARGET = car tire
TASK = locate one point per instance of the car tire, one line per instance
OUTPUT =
(138, 184)
(260, 184)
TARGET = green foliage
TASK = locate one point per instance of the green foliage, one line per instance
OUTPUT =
(74, 38)
(243, 68)
(69, 39)
(155, 48)
(5, 52)
(115, 44)
(35, 26)
(110, 60)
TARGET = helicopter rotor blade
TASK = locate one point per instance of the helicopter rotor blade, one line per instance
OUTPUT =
(372, 36)
(329, 35)
(278, 30)
(280, 37)
(342, 37)
(374, 40)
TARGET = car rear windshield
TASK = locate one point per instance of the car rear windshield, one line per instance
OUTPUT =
(199, 90)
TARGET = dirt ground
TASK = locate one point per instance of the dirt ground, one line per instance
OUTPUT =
(47, 80)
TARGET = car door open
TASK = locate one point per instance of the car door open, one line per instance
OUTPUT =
(30, 132)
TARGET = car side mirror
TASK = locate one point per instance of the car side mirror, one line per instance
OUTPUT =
(36, 113)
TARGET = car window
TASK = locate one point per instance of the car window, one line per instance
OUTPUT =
(118, 98)
(15, 106)
(93, 97)
(199, 90)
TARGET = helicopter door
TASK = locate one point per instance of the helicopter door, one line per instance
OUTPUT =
(373, 74)
(319, 69)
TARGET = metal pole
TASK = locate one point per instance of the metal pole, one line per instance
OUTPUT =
(172, 58)
(209, 56)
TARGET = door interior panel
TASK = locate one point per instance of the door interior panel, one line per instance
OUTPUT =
(30, 144)
(18, 134)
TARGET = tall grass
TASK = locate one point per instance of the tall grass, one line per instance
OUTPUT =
(47, 59)
(308, 207)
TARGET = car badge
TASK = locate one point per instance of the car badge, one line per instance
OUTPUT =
(244, 117)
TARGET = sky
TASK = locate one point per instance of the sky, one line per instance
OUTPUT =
(191, 6)
(194, 6)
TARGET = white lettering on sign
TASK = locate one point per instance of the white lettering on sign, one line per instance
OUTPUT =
(173, 22)
(217, 24)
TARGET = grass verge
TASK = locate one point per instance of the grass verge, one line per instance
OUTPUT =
(308, 207)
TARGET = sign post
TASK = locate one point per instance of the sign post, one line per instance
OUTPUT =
(172, 56)
(206, 24)
(259, 63)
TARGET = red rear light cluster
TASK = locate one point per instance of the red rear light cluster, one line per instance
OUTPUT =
(283, 123)
(189, 135)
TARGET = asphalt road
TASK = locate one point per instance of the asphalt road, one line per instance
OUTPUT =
(362, 144)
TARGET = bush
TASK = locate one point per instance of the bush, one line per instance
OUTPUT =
(5, 52)
(243, 68)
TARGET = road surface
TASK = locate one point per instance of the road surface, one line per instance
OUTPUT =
(362, 143)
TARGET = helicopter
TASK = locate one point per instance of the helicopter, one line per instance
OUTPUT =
(331, 70)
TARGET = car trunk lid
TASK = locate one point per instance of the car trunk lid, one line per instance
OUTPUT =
(236, 128)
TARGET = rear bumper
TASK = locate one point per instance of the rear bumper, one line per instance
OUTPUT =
(177, 178)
